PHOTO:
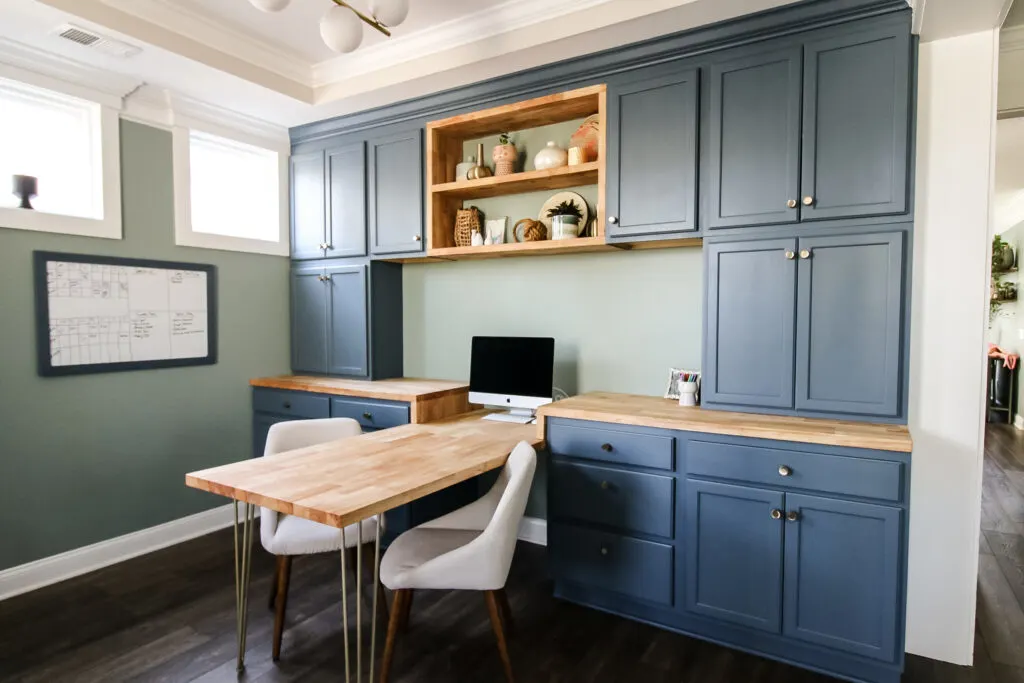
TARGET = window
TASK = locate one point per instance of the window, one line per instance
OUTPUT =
(70, 146)
(229, 194)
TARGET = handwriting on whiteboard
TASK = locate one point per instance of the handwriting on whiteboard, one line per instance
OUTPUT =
(120, 314)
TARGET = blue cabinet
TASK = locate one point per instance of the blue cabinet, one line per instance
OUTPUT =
(856, 113)
(734, 553)
(814, 324)
(309, 209)
(652, 156)
(396, 192)
(811, 129)
(789, 550)
(346, 319)
(754, 132)
(346, 201)
(842, 577)
(749, 320)
(849, 342)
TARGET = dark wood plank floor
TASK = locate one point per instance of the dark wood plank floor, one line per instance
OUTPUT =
(169, 616)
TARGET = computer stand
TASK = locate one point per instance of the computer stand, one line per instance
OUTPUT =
(522, 416)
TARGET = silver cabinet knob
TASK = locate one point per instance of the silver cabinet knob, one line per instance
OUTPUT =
(791, 204)
(805, 253)
(613, 219)
(790, 255)
(784, 471)
(323, 245)
(792, 515)
(604, 551)
(776, 513)
(808, 200)
(417, 238)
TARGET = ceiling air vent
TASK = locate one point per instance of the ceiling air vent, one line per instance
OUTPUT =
(95, 41)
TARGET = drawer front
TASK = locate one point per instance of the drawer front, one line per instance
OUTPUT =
(629, 566)
(371, 414)
(292, 403)
(626, 448)
(630, 501)
(836, 474)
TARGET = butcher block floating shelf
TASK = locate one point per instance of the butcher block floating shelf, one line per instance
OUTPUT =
(445, 196)
(527, 181)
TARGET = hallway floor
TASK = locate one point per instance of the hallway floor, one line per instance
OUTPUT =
(169, 616)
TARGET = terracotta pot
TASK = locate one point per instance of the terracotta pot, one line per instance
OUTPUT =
(505, 158)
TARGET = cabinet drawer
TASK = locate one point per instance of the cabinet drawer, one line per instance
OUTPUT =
(837, 474)
(638, 569)
(631, 501)
(627, 448)
(294, 403)
(371, 414)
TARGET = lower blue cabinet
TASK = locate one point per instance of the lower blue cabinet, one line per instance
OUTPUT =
(842, 576)
(793, 551)
(734, 553)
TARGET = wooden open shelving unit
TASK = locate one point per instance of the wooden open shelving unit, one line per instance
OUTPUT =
(446, 195)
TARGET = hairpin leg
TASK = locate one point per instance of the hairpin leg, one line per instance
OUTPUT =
(243, 570)
(359, 602)
(376, 592)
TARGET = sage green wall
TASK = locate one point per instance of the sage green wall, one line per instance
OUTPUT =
(83, 459)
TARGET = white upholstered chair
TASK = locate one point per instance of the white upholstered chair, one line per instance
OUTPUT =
(468, 549)
(286, 535)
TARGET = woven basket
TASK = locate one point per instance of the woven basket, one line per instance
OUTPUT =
(466, 221)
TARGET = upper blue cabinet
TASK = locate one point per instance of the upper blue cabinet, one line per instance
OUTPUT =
(397, 186)
(329, 202)
(812, 130)
(652, 156)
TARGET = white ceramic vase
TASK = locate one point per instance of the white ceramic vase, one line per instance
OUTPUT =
(551, 156)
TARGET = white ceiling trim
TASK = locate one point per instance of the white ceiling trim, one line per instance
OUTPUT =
(478, 26)
(205, 28)
(45, 69)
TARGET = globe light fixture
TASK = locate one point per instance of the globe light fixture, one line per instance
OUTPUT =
(341, 26)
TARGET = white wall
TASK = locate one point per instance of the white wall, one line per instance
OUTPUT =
(956, 124)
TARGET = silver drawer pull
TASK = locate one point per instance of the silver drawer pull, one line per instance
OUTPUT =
(604, 485)
(367, 416)
(606, 447)
(604, 550)
(784, 471)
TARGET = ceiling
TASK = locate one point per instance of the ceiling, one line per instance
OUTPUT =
(275, 68)
(1016, 15)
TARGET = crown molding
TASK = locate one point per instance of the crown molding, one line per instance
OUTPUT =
(207, 28)
(19, 61)
(165, 109)
(1011, 39)
(481, 25)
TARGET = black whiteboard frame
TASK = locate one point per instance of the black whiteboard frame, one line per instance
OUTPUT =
(47, 369)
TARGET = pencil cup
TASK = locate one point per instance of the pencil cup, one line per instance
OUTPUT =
(687, 393)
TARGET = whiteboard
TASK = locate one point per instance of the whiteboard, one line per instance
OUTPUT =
(102, 314)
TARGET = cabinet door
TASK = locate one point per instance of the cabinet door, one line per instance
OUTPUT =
(842, 578)
(346, 201)
(347, 349)
(309, 213)
(748, 352)
(849, 324)
(734, 554)
(754, 140)
(856, 125)
(309, 319)
(396, 193)
(261, 424)
(652, 156)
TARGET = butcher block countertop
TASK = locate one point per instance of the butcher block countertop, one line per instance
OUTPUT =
(428, 399)
(649, 411)
(341, 482)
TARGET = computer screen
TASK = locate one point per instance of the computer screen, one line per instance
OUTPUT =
(513, 366)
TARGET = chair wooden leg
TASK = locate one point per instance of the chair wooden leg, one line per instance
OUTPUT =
(283, 574)
(382, 603)
(506, 611)
(404, 611)
(273, 586)
(402, 599)
(494, 609)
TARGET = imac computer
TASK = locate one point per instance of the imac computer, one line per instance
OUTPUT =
(514, 372)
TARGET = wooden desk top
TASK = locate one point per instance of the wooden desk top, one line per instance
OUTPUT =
(342, 482)
(649, 411)
(402, 389)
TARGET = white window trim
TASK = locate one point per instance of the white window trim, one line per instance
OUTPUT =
(184, 236)
(109, 226)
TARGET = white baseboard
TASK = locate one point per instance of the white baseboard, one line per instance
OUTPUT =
(534, 530)
(49, 570)
(1018, 421)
